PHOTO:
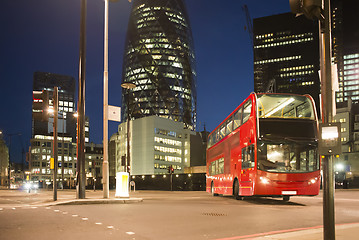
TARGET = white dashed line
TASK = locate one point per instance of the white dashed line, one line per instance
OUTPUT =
(75, 215)
(47, 207)
(64, 213)
(85, 219)
(1, 209)
(110, 227)
(98, 223)
(13, 208)
(130, 233)
(56, 210)
(33, 207)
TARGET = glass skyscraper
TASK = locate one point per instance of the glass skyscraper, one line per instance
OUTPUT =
(159, 59)
(286, 55)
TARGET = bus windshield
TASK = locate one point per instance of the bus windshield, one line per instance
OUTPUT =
(284, 106)
(287, 156)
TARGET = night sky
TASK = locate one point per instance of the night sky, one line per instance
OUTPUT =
(43, 35)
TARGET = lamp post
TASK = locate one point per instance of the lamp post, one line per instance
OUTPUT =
(55, 146)
(105, 167)
(128, 86)
(80, 176)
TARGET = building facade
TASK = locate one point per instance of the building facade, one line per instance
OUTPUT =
(93, 164)
(347, 164)
(345, 49)
(159, 59)
(286, 55)
(349, 84)
(41, 150)
(155, 144)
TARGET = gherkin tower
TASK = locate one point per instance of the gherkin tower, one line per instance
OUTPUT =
(159, 59)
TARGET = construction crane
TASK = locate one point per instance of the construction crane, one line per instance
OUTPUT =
(249, 26)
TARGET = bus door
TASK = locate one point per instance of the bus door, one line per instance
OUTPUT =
(246, 183)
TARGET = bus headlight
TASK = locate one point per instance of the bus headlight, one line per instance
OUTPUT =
(264, 180)
(312, 181)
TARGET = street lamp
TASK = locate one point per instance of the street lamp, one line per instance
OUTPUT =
(128, 86)
(105, 167)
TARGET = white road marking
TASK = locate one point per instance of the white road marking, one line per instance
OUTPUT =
(130, 233)
(98, 223)
(33, 207)
(64, 213)
(110, 227)
(13, 208)
(85, 219)
(56, 210)
(75, 215)
(47, 207)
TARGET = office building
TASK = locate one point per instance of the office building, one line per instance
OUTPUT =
(93, 164)
(349, 87)
(155, 144)
(42, 131)
(66, 96)
(159, 59)
(348, 55)
(286, 55)
(347, 164)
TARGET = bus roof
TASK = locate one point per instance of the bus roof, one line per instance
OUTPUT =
(253, 96)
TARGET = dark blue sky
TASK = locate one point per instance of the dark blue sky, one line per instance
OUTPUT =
(43, 35)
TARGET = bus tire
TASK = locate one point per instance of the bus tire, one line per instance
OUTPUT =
(236, 190)
(286, 198)
(212, 190)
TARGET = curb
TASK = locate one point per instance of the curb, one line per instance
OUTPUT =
(92, 201)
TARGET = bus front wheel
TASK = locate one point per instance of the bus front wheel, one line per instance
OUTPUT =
(286, 198)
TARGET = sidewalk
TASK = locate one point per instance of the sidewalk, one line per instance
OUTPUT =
(349, 231)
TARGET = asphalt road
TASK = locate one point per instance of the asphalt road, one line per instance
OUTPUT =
(169, 215)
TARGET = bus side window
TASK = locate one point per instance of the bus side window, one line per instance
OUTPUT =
(237, 118)
(222, 132)
(247, 110)
(248, 157)
(229, 126)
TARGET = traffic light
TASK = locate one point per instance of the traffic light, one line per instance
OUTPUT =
(170, 169)
(40, 105)
(312, 9)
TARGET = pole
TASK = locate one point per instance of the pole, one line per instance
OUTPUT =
(128, 135)
(327, 117)
(62, 151)
(80, 188)
(9, 168)
(105, 168)
(54, 147)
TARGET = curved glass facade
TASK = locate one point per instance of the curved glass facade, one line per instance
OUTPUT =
(159, 60)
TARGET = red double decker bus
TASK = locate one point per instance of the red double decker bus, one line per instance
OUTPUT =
(266, 147)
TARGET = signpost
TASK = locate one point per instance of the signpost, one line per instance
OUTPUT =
(329, 132)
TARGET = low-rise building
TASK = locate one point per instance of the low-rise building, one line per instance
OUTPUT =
(156, 144)
(347, 164)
